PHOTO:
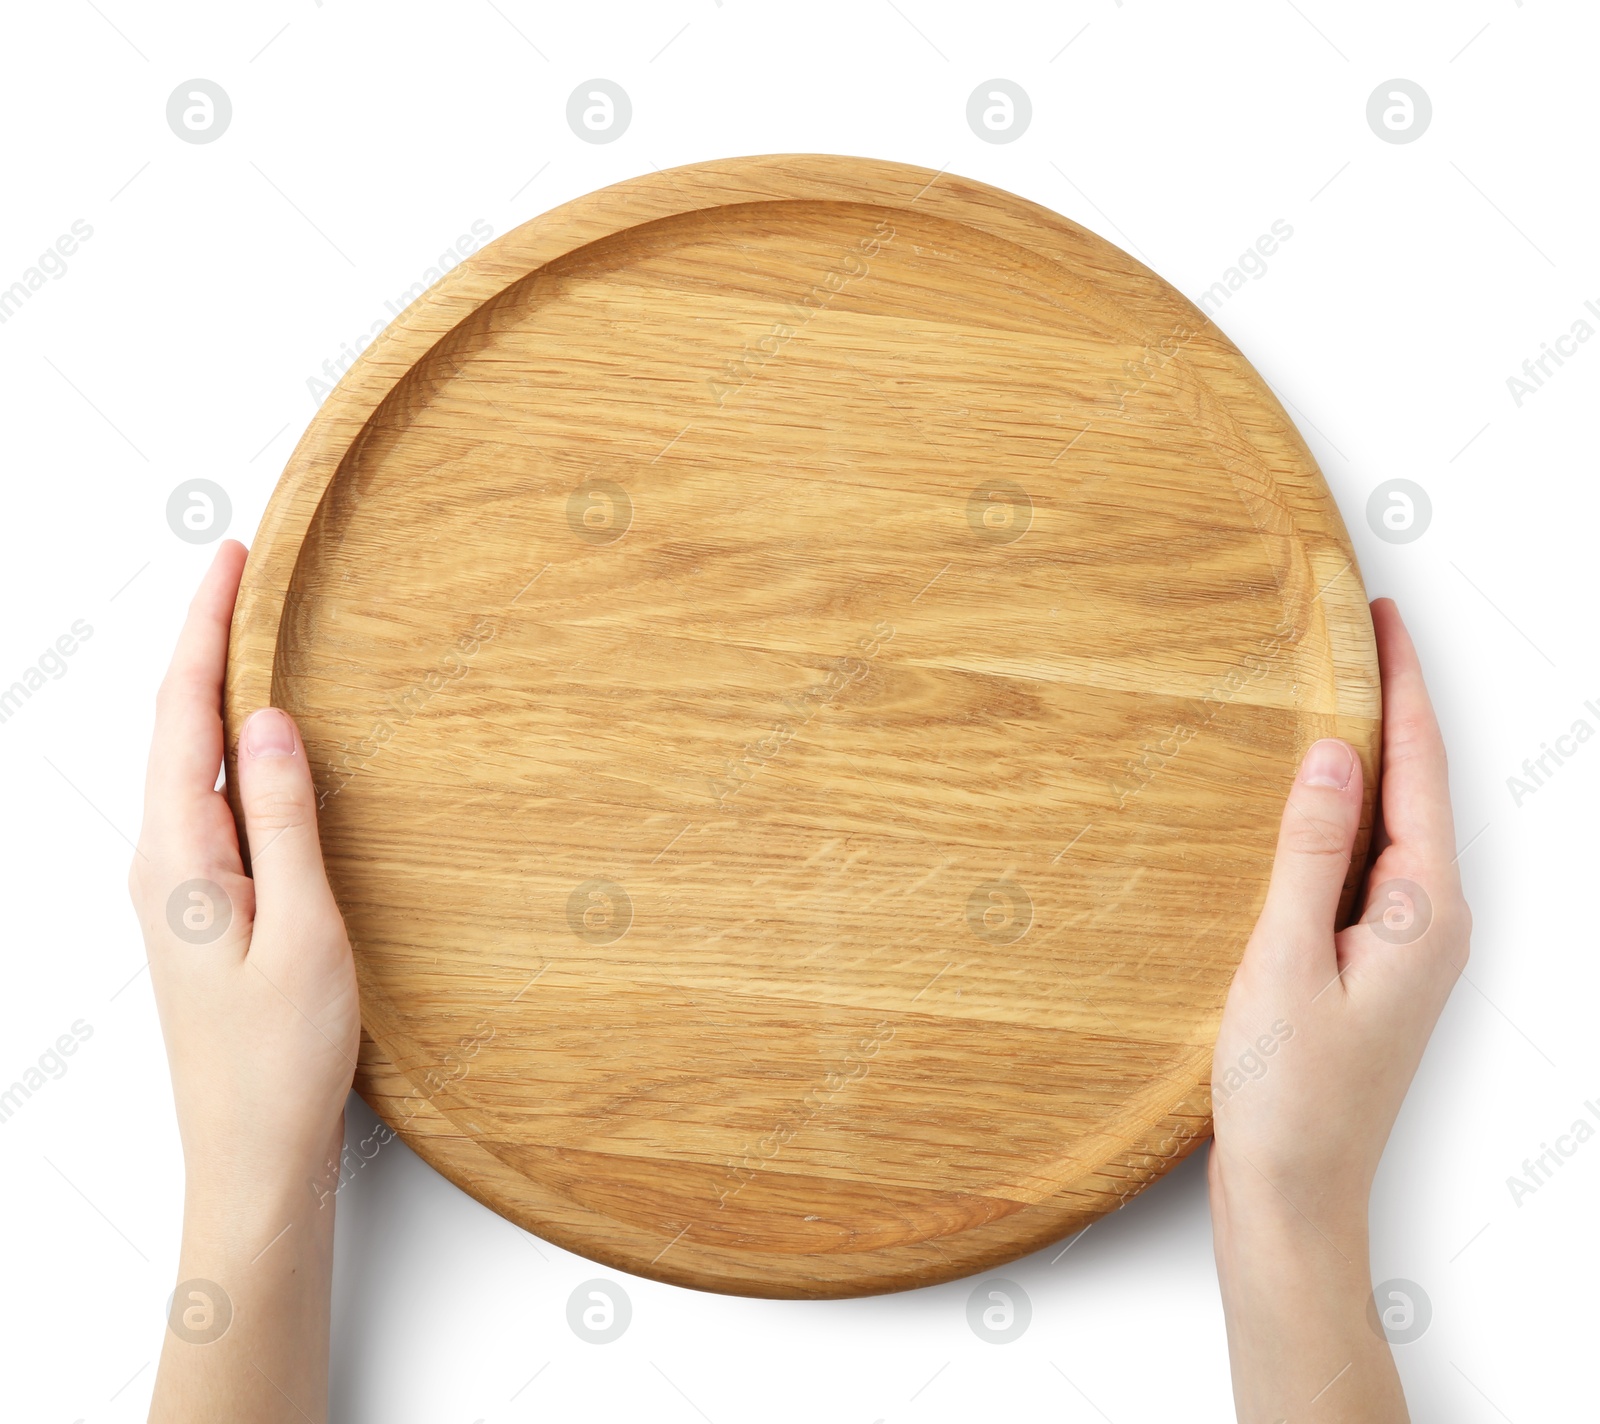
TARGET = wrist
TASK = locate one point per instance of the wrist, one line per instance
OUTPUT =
(248, 1323)
(236, 1196)
(1275, 1245)
(1271, 1250)
(1295, 1279)
(1284, 1212)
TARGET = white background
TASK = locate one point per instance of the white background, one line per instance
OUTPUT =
(365, 138)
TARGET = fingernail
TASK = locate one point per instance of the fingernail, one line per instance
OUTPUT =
(268, 733)
(1328, 763)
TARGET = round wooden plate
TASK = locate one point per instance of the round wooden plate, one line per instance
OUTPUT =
(802, 658)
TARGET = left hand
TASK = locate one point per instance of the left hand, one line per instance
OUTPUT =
(260, 1015)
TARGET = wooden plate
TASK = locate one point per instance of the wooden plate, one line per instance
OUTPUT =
(802, 659)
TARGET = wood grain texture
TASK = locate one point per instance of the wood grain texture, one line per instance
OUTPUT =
(802, 658)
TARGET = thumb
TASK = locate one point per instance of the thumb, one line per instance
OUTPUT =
(280, 813)
(1315, 840)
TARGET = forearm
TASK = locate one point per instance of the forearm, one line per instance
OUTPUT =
(1296, 1296)
(268, 1246)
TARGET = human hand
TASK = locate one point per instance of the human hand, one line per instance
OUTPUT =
(260, 1015)
(1320, 1038)
(256, 992)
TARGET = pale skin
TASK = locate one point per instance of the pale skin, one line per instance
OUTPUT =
(262, 1027)
(1297, 1144)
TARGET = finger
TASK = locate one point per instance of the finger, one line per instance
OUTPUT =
(1315, 840)
(1415, 792)
(186, 749)
(280, 817)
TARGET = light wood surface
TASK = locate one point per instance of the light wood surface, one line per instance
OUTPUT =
(802, 658)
